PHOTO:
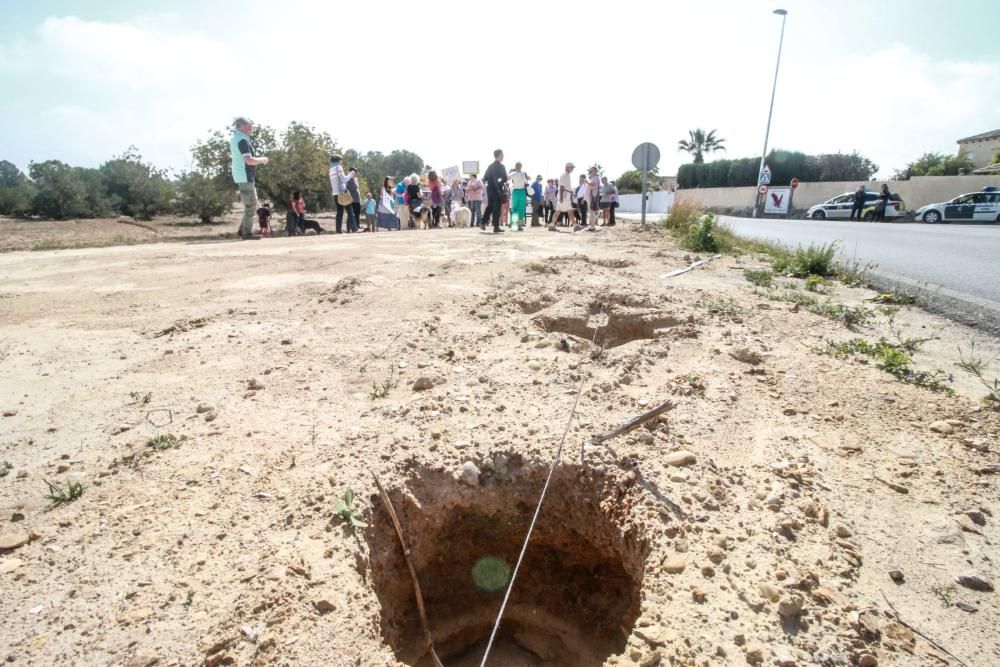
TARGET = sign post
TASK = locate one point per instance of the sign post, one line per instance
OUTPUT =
(763, 180)
(791, 195)
(645, 157)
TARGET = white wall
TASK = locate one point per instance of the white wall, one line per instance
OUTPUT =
(656, 202)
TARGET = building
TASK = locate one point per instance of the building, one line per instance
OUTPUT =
(980, 147)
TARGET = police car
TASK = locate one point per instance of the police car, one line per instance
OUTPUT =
(840, 207)
(976, 206)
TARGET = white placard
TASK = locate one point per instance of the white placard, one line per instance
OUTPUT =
(450, 174)
(470, 166)
(776, 200)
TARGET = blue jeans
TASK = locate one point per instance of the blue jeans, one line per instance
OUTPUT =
(477, 215)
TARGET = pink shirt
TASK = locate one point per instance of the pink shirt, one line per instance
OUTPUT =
(474, 190)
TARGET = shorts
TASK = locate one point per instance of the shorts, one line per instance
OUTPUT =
(565, 204)
(607, 204)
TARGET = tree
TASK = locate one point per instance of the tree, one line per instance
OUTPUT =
(202, 196)
(936, 164)
(630, 182)
(136, 188)
(97, 201)
(60, 192)
(996, 157)
(785, 165)
(699, 143)
(16, 191)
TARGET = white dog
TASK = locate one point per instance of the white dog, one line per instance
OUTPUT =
(461, 216)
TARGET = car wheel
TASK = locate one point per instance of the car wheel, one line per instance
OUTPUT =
(819, 215)
(932, 217)
(868, 217)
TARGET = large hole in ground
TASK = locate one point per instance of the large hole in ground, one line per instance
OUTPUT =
(615, 327)
(577, 594)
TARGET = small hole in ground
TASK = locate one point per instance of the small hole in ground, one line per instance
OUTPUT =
(577, 594)
(617, 327)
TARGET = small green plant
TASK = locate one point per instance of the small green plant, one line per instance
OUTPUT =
(700, 236)
(759, 277)
(139, 398)
(189, 599)
(381, 390)
(722, 306)
(894, 298)
(5, 467)
(892, 360)
(165, 441)
(976, 367)
(59, 495)
(348, 513)
(854, 273)
(818, 284)
(944, 593)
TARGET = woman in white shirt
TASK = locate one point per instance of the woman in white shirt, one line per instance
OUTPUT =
(518, 197)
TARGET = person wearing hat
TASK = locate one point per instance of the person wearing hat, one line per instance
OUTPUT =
(565, 201)
(244, 169)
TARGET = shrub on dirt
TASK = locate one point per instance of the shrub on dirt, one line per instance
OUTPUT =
(204, 197)
(760, 278)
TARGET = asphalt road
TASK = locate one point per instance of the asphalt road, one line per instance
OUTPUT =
(955, 267)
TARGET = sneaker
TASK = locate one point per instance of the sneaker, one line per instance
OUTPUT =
(577, 228)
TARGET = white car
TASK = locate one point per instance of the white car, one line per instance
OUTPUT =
(839, 208)
(976, 206)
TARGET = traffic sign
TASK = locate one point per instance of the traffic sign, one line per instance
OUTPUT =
(794, 183)
(645, 157)
(765, 176)
(762, 189)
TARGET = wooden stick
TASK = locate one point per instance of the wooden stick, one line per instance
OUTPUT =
(632, 424)
(409, 563)
(929, 640)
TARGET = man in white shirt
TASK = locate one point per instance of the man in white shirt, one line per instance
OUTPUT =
(582, 196)
(564, 203)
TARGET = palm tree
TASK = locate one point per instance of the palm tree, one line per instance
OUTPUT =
(701, 143)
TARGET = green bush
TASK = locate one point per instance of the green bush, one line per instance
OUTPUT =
(16, 191)
(760, 278)
(136, 188)
(202, 196)
(60, 191)
(700, 236)
(818, 284)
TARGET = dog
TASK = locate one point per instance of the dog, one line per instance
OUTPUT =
(420, 217)
(461, 216)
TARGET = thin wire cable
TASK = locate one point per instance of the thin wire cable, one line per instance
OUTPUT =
(538, 507)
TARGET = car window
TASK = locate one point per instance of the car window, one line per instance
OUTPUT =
(980, 198)
(964, 199)
(838, 200)
(871, 196)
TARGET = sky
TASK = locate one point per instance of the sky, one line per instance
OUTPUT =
(548, 82)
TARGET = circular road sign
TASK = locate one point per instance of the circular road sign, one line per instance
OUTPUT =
(645, 157)
(795, 183)
(762, 189)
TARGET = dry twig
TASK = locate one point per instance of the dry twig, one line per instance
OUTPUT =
(632, 424)
(899, 619)
(409, 563)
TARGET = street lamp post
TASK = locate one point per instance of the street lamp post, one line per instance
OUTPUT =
(763, 156)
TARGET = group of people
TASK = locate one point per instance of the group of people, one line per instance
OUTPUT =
(860, 203)
(500, 197)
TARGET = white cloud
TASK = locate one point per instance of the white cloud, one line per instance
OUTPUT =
(561, 81)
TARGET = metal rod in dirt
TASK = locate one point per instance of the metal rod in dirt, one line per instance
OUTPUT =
(633, 423)
(538, 510)
(413, 572)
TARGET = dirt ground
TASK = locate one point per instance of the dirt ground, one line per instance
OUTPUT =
(791, 508)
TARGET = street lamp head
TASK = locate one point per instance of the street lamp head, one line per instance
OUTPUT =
(780, 12)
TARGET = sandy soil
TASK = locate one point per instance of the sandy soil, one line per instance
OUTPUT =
(757, 521)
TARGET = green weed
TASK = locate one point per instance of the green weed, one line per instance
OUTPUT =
(387, 385)
(727, 306)
(854, 273)
(165, 441)
(5, 467)
(976, 367)
(47, 244)
(893, 360)
(818, 284)
(59, 495)
(348, 513)
(759, 277)
(895, 298)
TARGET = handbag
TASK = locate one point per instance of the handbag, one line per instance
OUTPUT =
(345, 199)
